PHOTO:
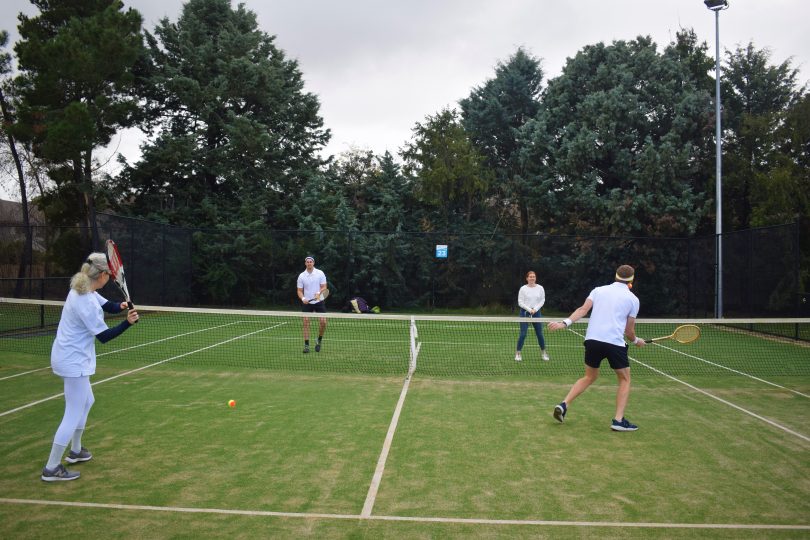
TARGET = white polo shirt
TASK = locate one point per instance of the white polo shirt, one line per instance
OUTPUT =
(74, 350)
(612, 305)
(311, 283)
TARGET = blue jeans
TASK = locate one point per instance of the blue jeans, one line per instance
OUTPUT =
(524, 327)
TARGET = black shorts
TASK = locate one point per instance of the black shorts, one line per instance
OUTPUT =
(320, 307)
(596, 351)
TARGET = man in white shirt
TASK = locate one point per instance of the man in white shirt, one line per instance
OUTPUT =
(615, 309)
(311, 282)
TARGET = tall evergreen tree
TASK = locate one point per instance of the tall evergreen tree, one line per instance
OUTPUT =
(694, 57)
(450, 177)
(7, 122)
(756, 98)
(493, 115)
(626, 121)
(383, 248)
(76, 60)
(233, 122)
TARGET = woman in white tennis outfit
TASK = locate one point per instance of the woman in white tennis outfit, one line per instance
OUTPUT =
(73, 357)
(531, 298)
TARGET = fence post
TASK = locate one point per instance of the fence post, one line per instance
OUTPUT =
(42, 306)
(163, 265)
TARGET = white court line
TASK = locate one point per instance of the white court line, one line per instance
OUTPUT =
(23, 373)
(170, 337)
(371, 496)
(499, 345)
(730, 404)
(128, 348)
(335, 340)
(142, 368)
(419, 519)
(721, 400)
(732, 370)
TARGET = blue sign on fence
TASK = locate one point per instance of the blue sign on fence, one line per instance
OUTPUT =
(441, 251)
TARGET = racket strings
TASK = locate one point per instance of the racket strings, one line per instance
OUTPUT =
(113, 261)
(686, 333)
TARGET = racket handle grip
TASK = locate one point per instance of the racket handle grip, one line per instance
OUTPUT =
(130, 306)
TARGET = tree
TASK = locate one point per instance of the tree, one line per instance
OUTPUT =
(232, 120)
(756, 98)
(8, 121)
(781, 193)
(383, 267)
(493, 115)
(76, 61)
(627, 126)
(626, 122)
(693, 56)
(449, 173)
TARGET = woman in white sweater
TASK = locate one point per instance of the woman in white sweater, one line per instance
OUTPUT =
(531, 298)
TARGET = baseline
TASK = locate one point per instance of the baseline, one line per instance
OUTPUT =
(418, 519)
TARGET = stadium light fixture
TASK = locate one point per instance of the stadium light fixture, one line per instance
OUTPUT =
(717, 6)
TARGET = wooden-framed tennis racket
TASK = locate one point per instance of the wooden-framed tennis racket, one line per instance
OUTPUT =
(116, 267)
(686, 333)
(323, 295)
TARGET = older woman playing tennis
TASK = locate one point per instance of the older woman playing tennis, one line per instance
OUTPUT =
(73, 357)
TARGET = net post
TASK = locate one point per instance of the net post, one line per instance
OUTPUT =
(414, 334)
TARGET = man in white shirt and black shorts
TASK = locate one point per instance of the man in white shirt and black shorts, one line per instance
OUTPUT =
(311, 282)
(615, 309)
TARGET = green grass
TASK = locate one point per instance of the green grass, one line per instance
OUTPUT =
(475, 438)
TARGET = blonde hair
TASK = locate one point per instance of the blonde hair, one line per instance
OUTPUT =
(91, 270)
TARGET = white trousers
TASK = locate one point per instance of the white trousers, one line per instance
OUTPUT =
(78, 400)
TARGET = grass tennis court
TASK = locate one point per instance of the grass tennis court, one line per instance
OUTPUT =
(723, 449)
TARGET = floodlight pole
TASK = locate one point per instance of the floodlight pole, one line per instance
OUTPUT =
(717, 6)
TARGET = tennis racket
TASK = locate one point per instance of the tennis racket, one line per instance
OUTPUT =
(323, 295)
(686, 333)
(117, 270)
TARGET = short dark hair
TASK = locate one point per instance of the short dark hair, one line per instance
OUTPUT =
(625, 273)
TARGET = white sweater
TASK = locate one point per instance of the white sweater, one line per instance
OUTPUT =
(531, 298)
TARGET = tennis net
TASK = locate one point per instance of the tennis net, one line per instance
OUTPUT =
(441, 346)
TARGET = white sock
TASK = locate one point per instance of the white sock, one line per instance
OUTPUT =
(57, 451)
(76, 442)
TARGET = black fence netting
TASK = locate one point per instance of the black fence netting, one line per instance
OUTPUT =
(177, 266)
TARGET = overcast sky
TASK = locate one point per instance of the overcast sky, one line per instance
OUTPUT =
(378, 67)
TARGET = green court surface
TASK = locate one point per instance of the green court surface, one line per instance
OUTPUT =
(465, 446)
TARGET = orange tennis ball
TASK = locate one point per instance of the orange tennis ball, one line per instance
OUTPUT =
(232, 403)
